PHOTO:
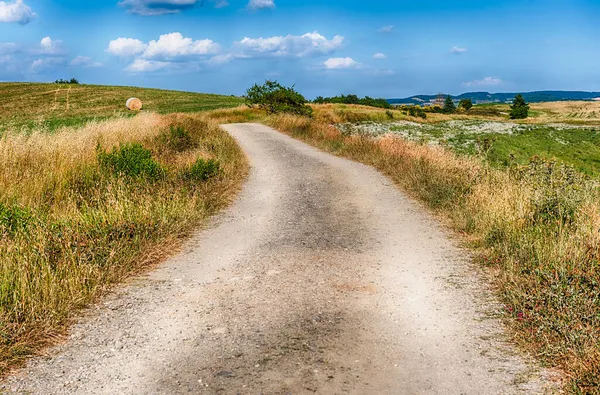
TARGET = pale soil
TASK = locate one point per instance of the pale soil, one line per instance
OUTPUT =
(323, 278)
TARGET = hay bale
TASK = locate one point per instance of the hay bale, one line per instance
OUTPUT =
(134, 104)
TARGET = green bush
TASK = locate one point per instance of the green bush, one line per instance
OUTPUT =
(202, 170)
(131, 160)
(178, 139)
(276, 98)
(466, 104)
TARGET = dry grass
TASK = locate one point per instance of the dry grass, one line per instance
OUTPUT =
(567, 111)
(71, 225)
(535, 228)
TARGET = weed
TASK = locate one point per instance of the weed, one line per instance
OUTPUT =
(202, 170)
(13, 219)
(179, 139)
(130, 160)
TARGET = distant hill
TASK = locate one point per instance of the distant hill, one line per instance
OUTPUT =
(486, 97)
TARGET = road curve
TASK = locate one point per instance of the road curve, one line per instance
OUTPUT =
(321, 278)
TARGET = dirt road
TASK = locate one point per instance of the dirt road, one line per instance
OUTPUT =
(322, 278)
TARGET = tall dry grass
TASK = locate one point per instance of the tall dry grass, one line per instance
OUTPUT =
(537, 229)
(71, 225)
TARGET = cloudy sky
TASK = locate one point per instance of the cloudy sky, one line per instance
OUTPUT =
(391, 48)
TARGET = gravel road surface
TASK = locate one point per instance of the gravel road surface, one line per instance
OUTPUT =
(322, 278)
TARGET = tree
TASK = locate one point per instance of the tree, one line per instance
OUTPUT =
(449, 106)
(275, 98)
(466, 104)
(519, 108)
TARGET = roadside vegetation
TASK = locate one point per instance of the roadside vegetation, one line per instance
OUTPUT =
(501, 144)
(533, 225)
(81, 209)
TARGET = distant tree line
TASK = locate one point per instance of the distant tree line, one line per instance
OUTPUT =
(354, 99)
(73, 81)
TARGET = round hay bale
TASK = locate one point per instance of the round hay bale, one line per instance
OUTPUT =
(134, 104)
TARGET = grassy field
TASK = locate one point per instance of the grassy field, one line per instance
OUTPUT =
(33, 106)
(83, 207)
(533, 227)
(500, 143)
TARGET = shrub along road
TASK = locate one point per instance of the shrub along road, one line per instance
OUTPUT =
(323, 277)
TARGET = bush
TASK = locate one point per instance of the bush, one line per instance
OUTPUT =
(275, 98)
(131, 160)
(466, 104)
(72, 81)
(414, 111)
(178, 139)
(202, 170)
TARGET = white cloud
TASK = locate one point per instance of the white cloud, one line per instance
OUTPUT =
(6, 48)
(220, 59)
(143, 65)
(174, 45)
(126, 46)
(457, 50)
(487, 81)
(45, 64)
(168, 46)
(261, 4)
(161, 7)
(386, 29)
(51, 47)
(340, 63)
(16, 11)
(289, 46)
(380, 56)
(85, 61)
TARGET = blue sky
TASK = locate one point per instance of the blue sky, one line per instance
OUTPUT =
(377, 48)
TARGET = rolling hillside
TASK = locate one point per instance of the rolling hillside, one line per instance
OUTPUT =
(53, 105)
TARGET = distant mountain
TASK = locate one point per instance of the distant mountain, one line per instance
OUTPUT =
(486, 97)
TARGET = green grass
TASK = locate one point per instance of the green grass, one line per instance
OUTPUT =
(35, 106)
(576, 146)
